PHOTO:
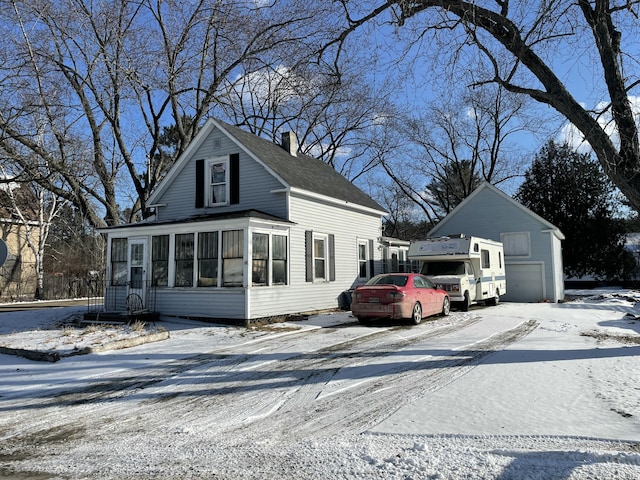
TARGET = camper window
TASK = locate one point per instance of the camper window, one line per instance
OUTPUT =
(485, 259)
(443, 268)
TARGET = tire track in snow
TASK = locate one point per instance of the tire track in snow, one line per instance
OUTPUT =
(237, 365)
(246, 395)
(358, 408)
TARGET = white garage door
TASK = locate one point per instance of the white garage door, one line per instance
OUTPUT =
(525, 282)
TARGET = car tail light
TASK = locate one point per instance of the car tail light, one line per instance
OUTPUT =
(395, 295)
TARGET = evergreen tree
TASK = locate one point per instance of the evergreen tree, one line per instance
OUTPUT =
(453, 183)
(571, 191)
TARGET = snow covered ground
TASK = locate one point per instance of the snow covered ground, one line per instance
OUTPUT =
(518, 391)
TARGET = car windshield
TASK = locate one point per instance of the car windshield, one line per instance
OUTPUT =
(399, 280)
(442, 268)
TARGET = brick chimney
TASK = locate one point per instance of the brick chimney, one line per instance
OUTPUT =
(290, 143)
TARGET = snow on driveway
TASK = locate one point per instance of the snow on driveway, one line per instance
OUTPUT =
(518, 391)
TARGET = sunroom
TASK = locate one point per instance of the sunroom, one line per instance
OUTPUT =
(199, 267)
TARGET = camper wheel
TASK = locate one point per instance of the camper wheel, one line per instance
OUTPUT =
(466, 303)
(495, 300)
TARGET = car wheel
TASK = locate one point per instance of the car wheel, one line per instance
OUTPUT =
(416, 314)
(466, 303)
(446, 306)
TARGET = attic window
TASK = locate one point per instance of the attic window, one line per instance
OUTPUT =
(516, 244)
(218, 175)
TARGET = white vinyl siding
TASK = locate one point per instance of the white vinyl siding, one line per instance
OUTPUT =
(258, 187)
(347, 225)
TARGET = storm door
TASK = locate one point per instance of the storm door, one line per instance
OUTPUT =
(137, 269)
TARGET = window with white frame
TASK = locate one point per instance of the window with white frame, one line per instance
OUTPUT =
(218, 181)
(184, 260)
(279, 260)
(516, 244)
(207, 259)
(268, 259)
(160, 260)
(260, 258)
(362, 259)
(232, 258)
(320, 255)
(119, 261)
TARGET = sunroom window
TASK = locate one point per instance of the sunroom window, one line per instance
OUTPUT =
(279, 260)
(207, 259)
(119, 261)
(232, 258)
(160, 260)
(184, 260)
(260, 254)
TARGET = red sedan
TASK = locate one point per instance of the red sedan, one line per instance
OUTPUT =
(399, 296)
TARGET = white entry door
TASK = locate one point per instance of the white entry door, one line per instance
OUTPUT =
(137, 279)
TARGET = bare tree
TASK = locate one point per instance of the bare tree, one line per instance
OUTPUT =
(453, 143)
(34, 209)
(517, 41)
(339, 121)
(99, 82)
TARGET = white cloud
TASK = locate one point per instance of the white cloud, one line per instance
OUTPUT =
(271, 86)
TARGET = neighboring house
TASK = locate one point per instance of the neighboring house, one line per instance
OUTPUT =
(532, 245)
(245, 230)
(17, 260)
(395, 255)
(17, 270)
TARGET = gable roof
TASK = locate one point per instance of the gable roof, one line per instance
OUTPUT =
(487, 186)
(302, 172)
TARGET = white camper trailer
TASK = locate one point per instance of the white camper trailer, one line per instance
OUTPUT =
(470, 269)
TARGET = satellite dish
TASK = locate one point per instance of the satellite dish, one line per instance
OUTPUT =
(4, 252)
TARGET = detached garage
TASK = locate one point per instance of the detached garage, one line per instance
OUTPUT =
(532, 245)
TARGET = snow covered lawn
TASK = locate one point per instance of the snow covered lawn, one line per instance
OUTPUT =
(63, 338)
(518, 391)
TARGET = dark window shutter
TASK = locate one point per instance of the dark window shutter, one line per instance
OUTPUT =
(308, 254)
(234, 178)
(371, 264)
(332, 257)
(199, 183)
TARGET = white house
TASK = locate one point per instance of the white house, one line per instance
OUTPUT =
(245, 230)
(532, 245)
